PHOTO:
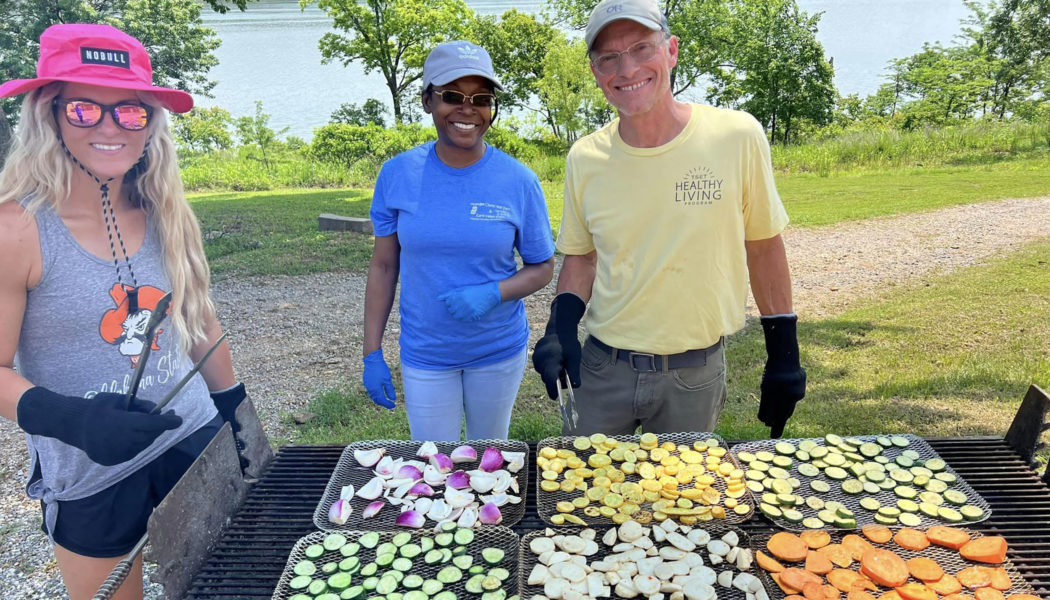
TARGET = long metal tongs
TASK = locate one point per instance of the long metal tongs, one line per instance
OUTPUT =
(567, 400)
(120, 572)
(155, 318)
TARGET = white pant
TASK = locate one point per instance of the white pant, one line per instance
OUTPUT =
(437, 400)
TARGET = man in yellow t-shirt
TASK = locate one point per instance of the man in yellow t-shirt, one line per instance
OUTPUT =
(669, 211)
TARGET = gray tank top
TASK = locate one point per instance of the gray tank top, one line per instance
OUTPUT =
(77, 340)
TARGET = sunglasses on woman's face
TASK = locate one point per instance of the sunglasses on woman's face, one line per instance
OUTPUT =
(484, 100)
(131, 116)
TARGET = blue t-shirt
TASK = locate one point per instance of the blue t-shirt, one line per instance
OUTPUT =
(460, 227)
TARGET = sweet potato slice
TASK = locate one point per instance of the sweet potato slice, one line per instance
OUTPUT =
(787, 546)
(830, 593)
(1022, 597)
(859, 595)
(794, 597)
(798, 578)
(787, 589)
(916, 591)
(846, 580)
(837, 554)
(988, 593)
(890, 595)
(958, 597)
(990, 550)
(813, 591)
(815, 538)
(767, 562)
(856, 545)
(925, 569)
(975, 577)
(946, 586)
(911, 539)
(818, 563)
(879, 534)
(949, 537)
(1000, 579)
(884, 567)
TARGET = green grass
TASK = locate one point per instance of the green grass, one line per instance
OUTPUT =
(271, 233)
(968, 143)
(812, 200)
(949, 356)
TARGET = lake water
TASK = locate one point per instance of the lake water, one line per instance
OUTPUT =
(269, 53)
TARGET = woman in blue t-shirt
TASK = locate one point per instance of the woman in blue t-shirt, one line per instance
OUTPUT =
(448, 217)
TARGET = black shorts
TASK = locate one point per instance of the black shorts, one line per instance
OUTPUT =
(111, 522)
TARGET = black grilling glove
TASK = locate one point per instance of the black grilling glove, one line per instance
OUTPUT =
(559, 349)
(784, 379)
(101, 426)
(226, 402)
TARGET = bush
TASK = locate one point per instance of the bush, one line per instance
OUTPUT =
(348, 144)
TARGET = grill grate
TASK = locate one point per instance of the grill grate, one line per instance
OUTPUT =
(852, 501)
(548, 500)
(348, 470)
(247, 561)
(948, 559)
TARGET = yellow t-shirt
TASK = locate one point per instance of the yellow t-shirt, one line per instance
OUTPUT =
(669, 225)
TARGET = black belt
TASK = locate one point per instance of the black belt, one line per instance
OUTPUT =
(652, 363)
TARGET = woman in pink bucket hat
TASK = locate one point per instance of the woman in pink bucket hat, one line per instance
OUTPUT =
(94, 231)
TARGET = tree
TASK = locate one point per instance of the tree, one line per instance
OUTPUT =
(517, 43)
(777, 69)
(204, 129)
(372, 112)
(255, 133)
(573, 104)
(180, 46)
(391, 36)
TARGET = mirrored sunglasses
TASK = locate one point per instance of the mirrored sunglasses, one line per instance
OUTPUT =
(131, 116)
(484, 100)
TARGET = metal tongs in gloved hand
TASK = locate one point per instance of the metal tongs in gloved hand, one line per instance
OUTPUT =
(567, 400)
(116, 577)
(159, 311)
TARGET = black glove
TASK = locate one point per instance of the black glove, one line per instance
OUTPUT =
(227, 402)
(784, 379)
(559, 349)
(101, 426)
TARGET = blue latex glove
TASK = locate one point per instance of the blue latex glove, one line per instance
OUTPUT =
(471, 302)
(378, 381)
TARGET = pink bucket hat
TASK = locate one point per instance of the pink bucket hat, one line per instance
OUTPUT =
(96, 55)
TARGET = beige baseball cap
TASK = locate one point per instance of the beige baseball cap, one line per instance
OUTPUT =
(646, 12)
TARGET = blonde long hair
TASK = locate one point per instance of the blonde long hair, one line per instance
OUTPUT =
(37, 168)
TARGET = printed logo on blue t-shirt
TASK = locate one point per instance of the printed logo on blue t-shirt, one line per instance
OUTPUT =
(486, 211)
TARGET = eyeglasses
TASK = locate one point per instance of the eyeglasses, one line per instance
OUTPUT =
(608, 63)
(483, 100)
(131, 116)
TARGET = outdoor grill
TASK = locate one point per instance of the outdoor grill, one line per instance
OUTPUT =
(248, 559)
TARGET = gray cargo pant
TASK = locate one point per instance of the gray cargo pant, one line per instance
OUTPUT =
(615, 397)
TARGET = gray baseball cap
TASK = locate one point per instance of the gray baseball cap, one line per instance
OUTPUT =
(646, 12)
(449, 61)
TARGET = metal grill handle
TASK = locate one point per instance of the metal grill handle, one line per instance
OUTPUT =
(116, 578)
(1028, 426)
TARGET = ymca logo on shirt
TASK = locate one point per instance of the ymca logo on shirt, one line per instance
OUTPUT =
(698, 187)
(486, 211)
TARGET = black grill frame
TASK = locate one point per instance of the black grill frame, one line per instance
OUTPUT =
(248, 559)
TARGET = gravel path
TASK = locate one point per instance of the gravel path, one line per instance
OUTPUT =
(304, 333)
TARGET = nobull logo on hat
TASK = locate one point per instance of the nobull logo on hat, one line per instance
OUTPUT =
(100, 56)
